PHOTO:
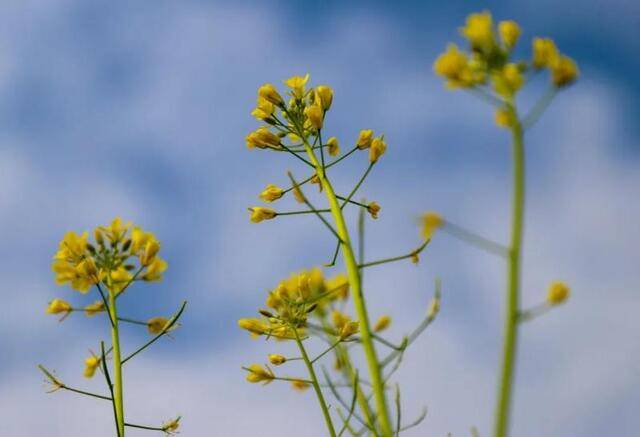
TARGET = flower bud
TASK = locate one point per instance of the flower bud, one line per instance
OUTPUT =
(315, 115)
(364, 139)
(277, 359)
(324, 96)
(509, 33)
(271, 193)
(269, 93)
(373, 208)
(333, 146)
(558, 293)
(258, 214)
(382, 324)
(377, 149)
(430, 222)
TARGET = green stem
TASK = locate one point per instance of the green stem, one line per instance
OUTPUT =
(353, 274)
(316, 386)
(510, 333)
(117, 365)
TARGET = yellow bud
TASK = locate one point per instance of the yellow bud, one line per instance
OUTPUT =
(255, 326)
(57, 306)
(509, 33)
(94, 308)
(151, 249)
(264, 109)
(258, 214)
(377, 149)
(558, 293)
(324, 96)
(90, 366)
(430, 222)
(373, 208)
(504, 118)
(262, 138)
(271, 193)
(154, 270)
(299, 385)
(478, 30)
(270, 94)
(364, 139)
(508, 81)
(277, 359)
(333, 146)
(545, 52)
(564, 71)
(259, 374)
(315, 116)
(349, 329)
(382, 324)
(156, 325)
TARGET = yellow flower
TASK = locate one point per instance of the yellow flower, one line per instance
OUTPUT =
(504, 118)
(509, 33)
(90, 366)
(508, 81)
(315, 115)
(373, 209)
(545, 52)
(430, 222)
(297, 194)
(116, 230)
(262, 138)
(364, 139)
(57, 306)
(377, 149)
(72, 248)
(139, 239)
(271, 193)
(300, 385)
(333, 146)
(264, 109)
(156, 325)
(297, 85)
(269, 93)
(151, 249)
(564, 71)
(382, 324)
(258, 214)
(338, 286)
(155, 270)
(558, 293)
(277, 359)
(94, 308)
(349, 329)
(259, 374)
(324, 97)
(119, 279)
(454, 66)
(339, 319)
(254, 326)
(171, 426)
(478, 30)
(66, 272)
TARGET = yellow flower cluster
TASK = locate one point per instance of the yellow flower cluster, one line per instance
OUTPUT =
(109, 260)
(489, 59)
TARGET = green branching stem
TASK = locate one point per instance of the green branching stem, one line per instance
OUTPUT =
(411, 254)
(117, 364)
(510, 330)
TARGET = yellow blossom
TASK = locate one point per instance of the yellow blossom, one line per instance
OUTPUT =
(454, 66)
(349, 329)
(269, 93)
(257, 373)
(262, 138)
(504, 118)
(156, 325)
(254, 326)
(155, 270)
(57, 306)
(377, 149)
(151, 249)
(72, 248)
(508, 81)
(315, 115)
(259, 213)
(373, 208)
(271, 193)
(94, 308)
(430, 222)
(509, 33)
(564, 71)
(338, 286)
(116, 230)
(382, 324)
(478, 30)
(297, 85)
(264, 109)
(277, 359)
(545, 52)
(120, 278)
(364, 139)
(333, 146)
(324, 97)
(558, 293)
(339, 319)
(139, 239)
(90, 366)
(66, 272)
(300, 385)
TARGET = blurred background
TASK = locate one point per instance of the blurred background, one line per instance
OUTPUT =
(139, 109)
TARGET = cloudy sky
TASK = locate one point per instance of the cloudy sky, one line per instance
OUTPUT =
(139, 109)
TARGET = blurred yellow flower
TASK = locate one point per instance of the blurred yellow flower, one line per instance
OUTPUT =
(382, 324)
(558, 293)
(315, 116)
(264, 109)
(277, 359)
(430, 222)
(58, 306)
(259, 374)
(373, 208)
(269, 93)
(377, 149)
(262, 138)
(300, 385)
(564, 71)
(333, 146)
(90, 366)
(545, 52)
(258, 214)
(478, 30)
(364, 139)
(509, 33)
(271, 193)
(324, 96)
(297, 85)
(94, 308)
(156, 325)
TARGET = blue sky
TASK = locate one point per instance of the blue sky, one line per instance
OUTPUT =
(140, 110)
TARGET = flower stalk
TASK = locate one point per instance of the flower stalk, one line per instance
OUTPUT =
(117, 365)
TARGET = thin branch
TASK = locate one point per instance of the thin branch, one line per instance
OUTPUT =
(416, 422)
(355, 189)
(538, 109)
(396, 258)
(476, 240)
(342, 157)
(106, 304)
(107, 377)
(335, 256)
(352, 408)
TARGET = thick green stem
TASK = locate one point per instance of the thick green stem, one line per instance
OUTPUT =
(510, 333)
(117, 365)
(316, 385)
(353, 274)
